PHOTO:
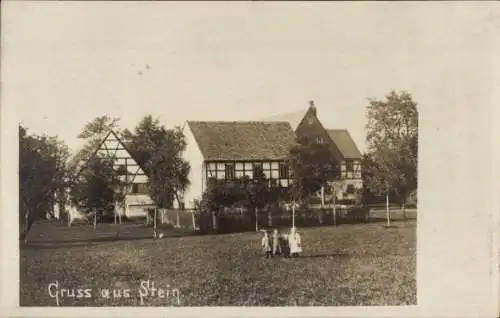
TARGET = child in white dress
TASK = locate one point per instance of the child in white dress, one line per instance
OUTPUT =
(294, 241)
(266, 245)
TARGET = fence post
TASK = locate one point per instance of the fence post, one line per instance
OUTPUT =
(387, 209)
(193, 219)
(256, 220)
(154, 223)
(178, 225)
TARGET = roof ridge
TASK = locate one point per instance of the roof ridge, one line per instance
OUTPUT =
(265, 122)
(298, 110)
(338, 129)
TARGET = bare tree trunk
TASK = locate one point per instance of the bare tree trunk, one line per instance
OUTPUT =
(120, 214)
(320, 216)
(24, 236)
(256, 220)
(404, 211)
(178, 224)
(334, 208)
(154, 224)
(269, 216)
(322, 197)
(193, 219)
(214, 221)
(388, 212)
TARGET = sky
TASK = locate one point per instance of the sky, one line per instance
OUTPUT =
(66, 63)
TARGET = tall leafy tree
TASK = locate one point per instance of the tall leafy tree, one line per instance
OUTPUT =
(159, 150)
(257, 194)
(93, 182)
(313, 166)
(92, 134)
(41, 175)
(392, 145)
(95, 191)
(260, 194)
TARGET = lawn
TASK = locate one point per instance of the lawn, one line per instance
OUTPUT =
(361, 264)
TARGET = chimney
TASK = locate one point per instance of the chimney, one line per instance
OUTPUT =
(312, 107)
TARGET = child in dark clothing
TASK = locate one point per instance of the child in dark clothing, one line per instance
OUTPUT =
(285, 248)
(276, 243)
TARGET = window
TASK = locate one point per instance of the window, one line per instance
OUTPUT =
(319, 140)
(349, 165)
(229, 171)
(350, 189)
(122, 170)
(221, 174)
(135, 188)
(284, 183)
(275, 174)
(257, 169)
(284, 172)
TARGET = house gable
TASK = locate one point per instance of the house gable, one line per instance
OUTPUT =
(310, 127)
(137, 199)
(112, 148)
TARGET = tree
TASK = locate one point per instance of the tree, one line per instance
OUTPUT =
(392, 144)
(95, 191)
(93, 133)
(254, 195)
(41, 175)
(159, 151)
(313, 167)
(217, 195)
(260, 194)
(94, 184)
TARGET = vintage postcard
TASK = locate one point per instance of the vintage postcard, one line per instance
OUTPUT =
(248, 158)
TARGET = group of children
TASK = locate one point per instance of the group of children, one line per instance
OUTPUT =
(288, 245)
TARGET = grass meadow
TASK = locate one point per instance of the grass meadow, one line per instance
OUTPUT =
(346, 265)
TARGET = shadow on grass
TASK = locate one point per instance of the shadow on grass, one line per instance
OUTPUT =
(332, 255)
(52, 244)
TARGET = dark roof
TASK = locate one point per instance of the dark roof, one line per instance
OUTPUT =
(344, 142)
(243, 140)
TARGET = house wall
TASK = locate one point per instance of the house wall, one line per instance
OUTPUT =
(272, 170)
(311, 127)
(355, 173)
(193, 155)
(137, 205)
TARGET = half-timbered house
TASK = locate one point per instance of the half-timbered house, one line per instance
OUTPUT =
(134, 179)
(229, 150)
(343, 146)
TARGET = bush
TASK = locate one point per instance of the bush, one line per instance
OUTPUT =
(357, 214)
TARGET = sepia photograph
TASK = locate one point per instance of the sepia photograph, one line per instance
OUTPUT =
(205, 155)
